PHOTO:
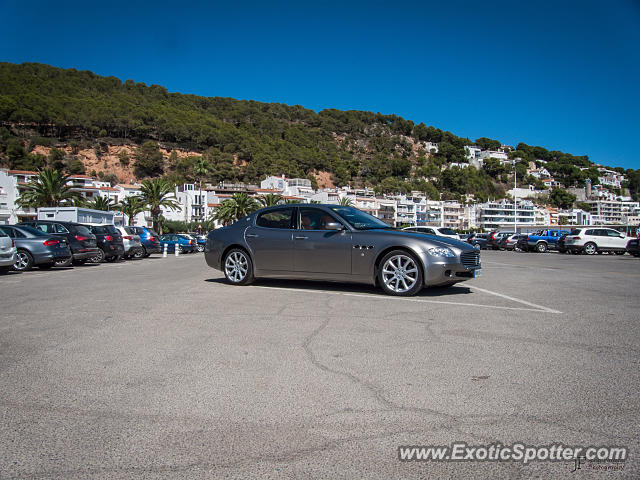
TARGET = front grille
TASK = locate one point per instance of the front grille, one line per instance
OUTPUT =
(470, 259)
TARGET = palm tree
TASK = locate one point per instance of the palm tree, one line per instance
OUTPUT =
(131, 206)
(236, 207)
(346, 202)
(201, 169)
(102, 203)
(270, 199)
(48, 189)
(157, 193)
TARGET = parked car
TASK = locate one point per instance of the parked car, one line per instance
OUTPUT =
(337, 243)
(182, 242)
(596, 240)
(544, 240)
(34, 247)
(511, 242)
(7, 252)
(109, 241)
(148, 238)
(494, 238)
(132, 244)
(633, 248)
(441, 231)
(201, 240)
(479, 239)
(81, 241)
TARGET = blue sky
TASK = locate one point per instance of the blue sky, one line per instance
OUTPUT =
(561, 74)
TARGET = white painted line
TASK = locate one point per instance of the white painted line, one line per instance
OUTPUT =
(418, 300)
(513, 299)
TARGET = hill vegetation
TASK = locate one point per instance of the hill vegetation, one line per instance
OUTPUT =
(241, 140)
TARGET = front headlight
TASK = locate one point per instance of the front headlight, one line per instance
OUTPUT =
(477, 246)
(441, 252)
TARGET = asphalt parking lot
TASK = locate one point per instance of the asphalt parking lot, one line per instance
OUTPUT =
(158, 369)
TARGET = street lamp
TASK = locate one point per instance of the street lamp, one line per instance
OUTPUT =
(515, 197)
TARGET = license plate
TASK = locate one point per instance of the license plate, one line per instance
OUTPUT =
(477, 273)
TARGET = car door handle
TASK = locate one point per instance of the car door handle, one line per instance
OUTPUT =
(301, 238)
(251, 235)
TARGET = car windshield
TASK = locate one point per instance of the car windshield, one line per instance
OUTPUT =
(446, 231)
(112, 229)
(81, 230)
(358, 219)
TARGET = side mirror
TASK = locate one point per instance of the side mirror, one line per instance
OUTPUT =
(333, 226)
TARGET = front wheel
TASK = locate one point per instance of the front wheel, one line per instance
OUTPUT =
(238, 268)
(24, 261)
(200, 248)
(590, 248)
(541, 247)
(400, 274)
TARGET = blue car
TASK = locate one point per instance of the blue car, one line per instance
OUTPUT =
(149, 239)
(175, 240)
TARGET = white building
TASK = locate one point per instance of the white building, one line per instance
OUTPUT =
(505, 215)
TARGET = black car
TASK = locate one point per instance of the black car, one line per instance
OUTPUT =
(633, 248)
(523, 243)
(479, 239)
(81, 241)
(560, 244)
(36, 247)
(109, 241)
(495, 237)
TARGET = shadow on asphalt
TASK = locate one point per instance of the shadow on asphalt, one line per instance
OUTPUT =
(312, 285)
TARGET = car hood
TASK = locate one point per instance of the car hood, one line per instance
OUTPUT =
(436, 240)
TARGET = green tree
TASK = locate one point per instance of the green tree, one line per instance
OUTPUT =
(488, 144)
(131, 206)
(48, 189)
(234, 208)
(56, 159)
(148, 160)
(270, 199)
(560, 198)
(102, 203)
(156, 194)
(346, 202)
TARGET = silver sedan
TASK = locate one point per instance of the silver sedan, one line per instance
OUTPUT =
(337, 243)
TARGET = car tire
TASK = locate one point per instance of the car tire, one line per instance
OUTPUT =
(238, 267)
(139, 253)
(45, 266)
(99, 257)
(24, 261)
(400, 266)
(590, 248)
(200, 248)
(542, 247)
(180, 249)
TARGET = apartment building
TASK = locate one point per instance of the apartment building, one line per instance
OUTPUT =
(504, 214)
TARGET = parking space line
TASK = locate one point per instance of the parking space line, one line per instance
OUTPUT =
(514, 299)
(538, 308)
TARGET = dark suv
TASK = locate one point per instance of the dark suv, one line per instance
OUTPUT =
(148, 238)
(81, 241)
(109, 240)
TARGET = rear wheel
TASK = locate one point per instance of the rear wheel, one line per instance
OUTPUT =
(63, 263)
(24, 261)
(238, 268)
(139, 252)
(541, 247)
(99, 257)
(590, 248)
(400, 274)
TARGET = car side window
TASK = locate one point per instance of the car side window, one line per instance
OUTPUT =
(9, 232)
(45, 227)
(613, 233)
(275, 218)
(16, 234)
(315, 219)
(589, 232)
(61, 228)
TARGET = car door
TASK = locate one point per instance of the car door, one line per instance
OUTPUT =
(317, 249)
(271, 240)
(616, 239)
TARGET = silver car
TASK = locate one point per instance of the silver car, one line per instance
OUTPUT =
(337, 243)
(7, 252)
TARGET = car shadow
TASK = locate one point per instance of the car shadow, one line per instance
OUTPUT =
(317, 285)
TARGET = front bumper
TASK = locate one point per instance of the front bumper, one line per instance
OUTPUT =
(445, 270)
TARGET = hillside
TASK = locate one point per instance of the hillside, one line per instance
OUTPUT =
(77, 120)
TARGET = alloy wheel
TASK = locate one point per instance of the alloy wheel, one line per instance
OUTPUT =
(400, 273)
(236, 266)
(23, 262)
(590, 248)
